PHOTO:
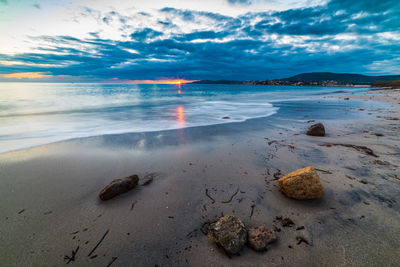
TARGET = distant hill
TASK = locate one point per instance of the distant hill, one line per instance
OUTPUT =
(340, 77)
(216, 82)
(320, 77)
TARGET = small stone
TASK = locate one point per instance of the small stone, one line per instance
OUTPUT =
(260, 237)
(118, 187)
(226, 118)
(287, 222)
(230, 233)
(302, 184)
(316, 130)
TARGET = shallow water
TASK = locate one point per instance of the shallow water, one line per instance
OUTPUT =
(38, 113)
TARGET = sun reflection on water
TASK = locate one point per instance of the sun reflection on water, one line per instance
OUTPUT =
(181, 115)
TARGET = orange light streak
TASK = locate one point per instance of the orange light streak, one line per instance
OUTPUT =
(181, 115)
(174, 82)
(25, 75)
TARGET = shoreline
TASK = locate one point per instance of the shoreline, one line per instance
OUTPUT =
(275, 104)
(56, 186)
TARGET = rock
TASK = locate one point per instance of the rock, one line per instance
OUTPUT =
(302, 184)
(260, 237)
(316, 130)
(230, 233)
(287, 222)
(346, 98)
(226, 118)
(118, 187)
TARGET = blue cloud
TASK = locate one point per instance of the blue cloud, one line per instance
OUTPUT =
(256, 45)
(144, 34)
(241, 2)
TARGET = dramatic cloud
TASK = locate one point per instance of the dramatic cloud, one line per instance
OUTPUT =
(241, 2)
(339, 36)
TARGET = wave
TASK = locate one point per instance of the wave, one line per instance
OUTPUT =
(33, 114)
(47, 127)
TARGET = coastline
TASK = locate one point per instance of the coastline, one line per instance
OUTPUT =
(56, 186)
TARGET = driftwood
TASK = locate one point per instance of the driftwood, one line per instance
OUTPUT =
(320, 170)
(301, 239)
(72, 258)
(208, 195)
(252, 210)
(364, 149)
(230, 200)
(112, 261)
(98, 243)
(189, 234)
(149, 179)
(133, 204)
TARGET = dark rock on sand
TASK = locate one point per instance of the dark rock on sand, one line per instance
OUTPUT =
(260, 237)
(316, 130)
(287, 222)
(118, 187)
(228, 232)
(302, 184)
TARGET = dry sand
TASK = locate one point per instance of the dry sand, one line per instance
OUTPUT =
(50, 203)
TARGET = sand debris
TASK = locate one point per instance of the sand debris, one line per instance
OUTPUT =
(364, 149)
(72, 257)
(98, 243)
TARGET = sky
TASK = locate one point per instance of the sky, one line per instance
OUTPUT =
(131, 41)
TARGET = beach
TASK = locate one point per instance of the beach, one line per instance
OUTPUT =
(50, 205)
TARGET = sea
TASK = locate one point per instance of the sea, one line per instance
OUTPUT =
(33, 114)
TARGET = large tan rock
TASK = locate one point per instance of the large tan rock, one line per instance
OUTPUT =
(302, 184)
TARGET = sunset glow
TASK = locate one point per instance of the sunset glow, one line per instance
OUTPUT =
(162, 81)
(25, 75)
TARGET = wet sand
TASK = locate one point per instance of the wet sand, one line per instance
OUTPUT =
(50, 203)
